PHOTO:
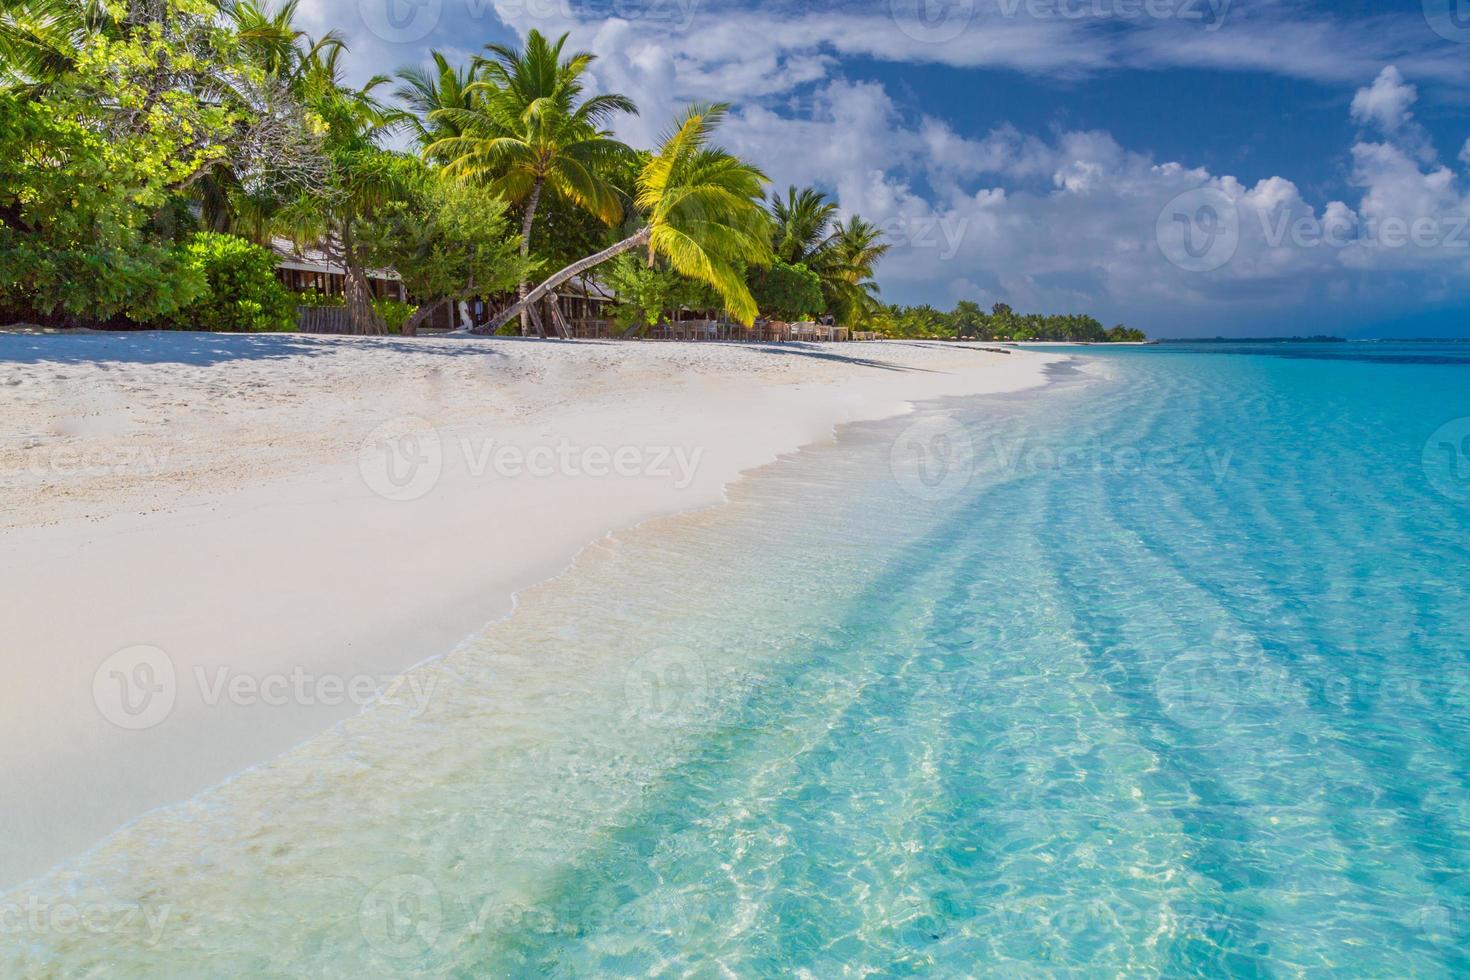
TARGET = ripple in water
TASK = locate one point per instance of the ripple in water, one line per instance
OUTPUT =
(1160, 673)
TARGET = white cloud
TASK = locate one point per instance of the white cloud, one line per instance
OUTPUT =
(1048, 221)
(1386, 102)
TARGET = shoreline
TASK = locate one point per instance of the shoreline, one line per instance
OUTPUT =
(251, 581)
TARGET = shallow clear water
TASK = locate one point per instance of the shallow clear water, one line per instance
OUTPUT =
(1163, 670)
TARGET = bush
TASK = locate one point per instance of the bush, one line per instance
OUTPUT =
(787, 291)
(243, 292)
(395, 313)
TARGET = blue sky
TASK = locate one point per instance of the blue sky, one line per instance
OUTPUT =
(1192, 167)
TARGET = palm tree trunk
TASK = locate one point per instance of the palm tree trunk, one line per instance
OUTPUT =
(578, 267)
(526, 222)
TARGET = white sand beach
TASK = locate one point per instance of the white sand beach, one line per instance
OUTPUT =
(217, 545)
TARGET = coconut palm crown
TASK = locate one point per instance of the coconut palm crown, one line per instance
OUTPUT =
(703, 214)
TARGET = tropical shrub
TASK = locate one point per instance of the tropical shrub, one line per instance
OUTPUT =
(243, 292)
(787, 290)
(395, 313)
(75, 205)
(647, 295)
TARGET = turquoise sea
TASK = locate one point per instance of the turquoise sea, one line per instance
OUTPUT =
(1162, 670)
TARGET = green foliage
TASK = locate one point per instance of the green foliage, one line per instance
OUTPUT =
(394, 313)
(922, 321)
(703, 208)
(447, 240)
(128, 112)
(787, 291)
(702, 214)
(969, 321)
(76, 211)
(523, 126)
(805, 229)
(243, 292)
(310, 297)
(647, 296)
(802, 224)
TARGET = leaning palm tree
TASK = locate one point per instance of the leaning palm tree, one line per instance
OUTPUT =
(702, 214)
(530, 131)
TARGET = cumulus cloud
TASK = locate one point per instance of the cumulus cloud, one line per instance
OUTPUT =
(1386, 102)
(1060, 220)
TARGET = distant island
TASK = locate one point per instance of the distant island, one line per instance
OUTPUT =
(1255, 340)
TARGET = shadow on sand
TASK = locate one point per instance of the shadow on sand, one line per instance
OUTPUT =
(201, 349)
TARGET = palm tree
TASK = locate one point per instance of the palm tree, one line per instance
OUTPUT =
(805, 231)
(845, 267)
(286, 57)
(802, 224)
(362, 176)
(39, 40)
(530, 131)
(702, 214)
(426, 91)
